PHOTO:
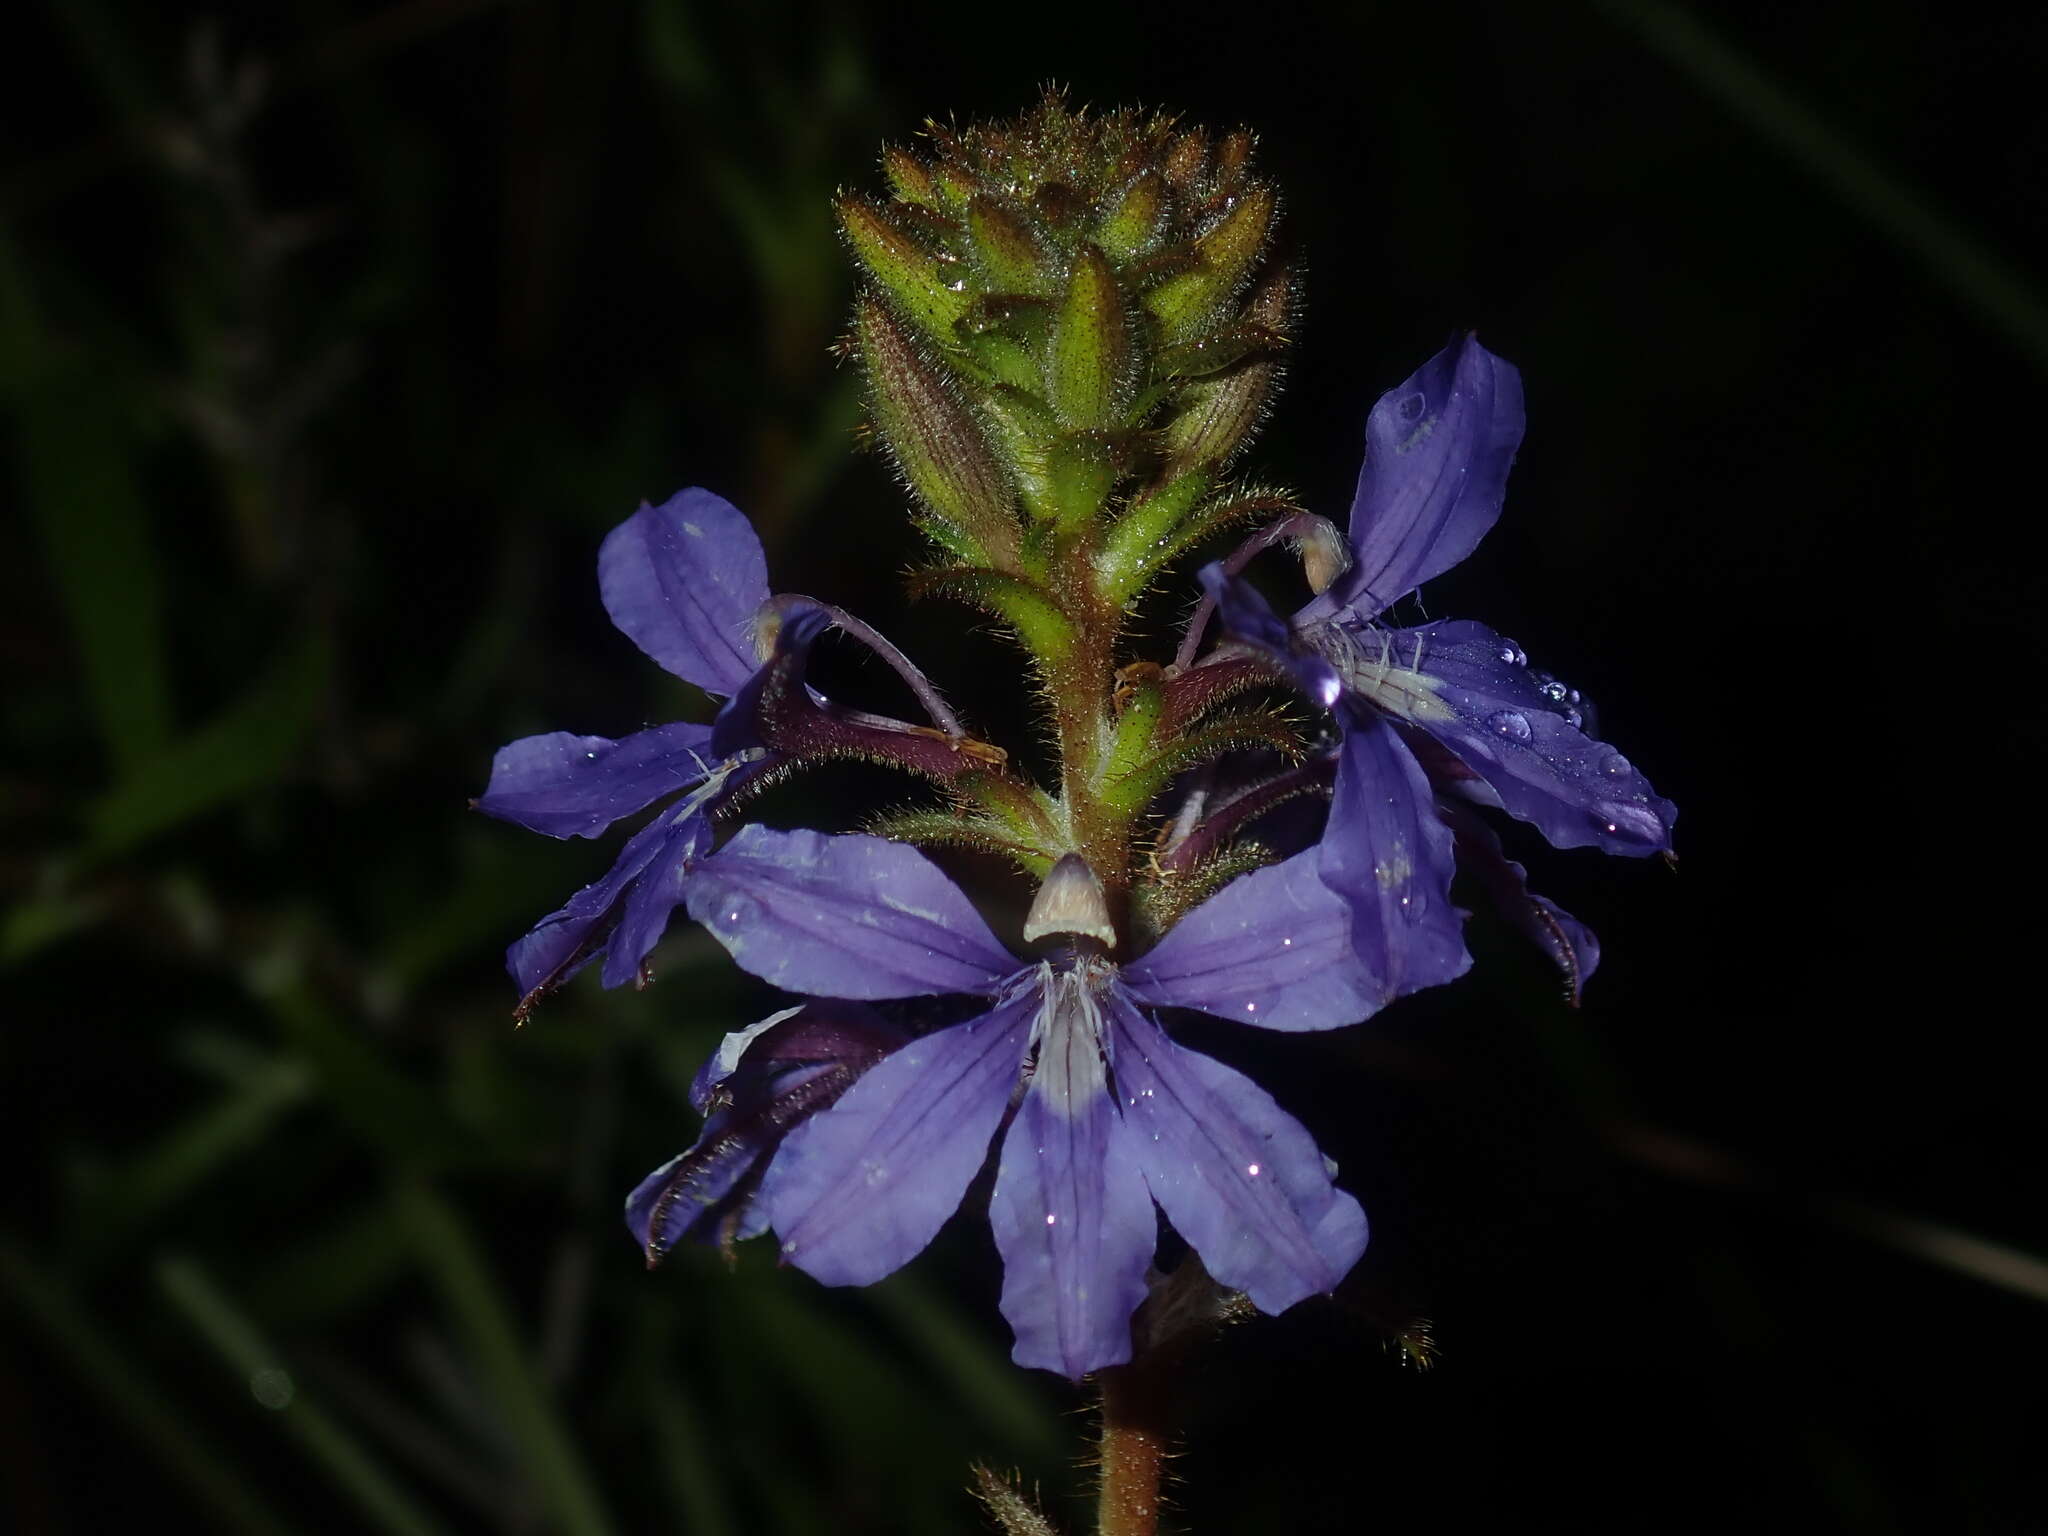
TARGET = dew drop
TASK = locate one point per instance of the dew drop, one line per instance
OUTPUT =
(1251, 1007)
(1512, 653)
(1412, 407)
(877, 1174)
(1511, 723)
(1253, 1170)
(1287, 943)
(1051, 1220)
(1615, 766)
(740, 911)
(1553, 690)
(1574, 718)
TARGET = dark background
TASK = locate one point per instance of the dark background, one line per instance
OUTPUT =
(318, 400)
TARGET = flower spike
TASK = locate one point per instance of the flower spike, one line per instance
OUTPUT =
(1070, 327)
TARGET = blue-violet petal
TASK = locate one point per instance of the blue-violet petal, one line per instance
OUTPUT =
(851, 916)
(683, 581)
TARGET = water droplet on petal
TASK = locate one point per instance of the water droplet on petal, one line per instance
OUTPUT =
(1412, 407)
(1253, 1170)
(1512, 653)
(1615, 766)
(1511, 723)
(1574, 718)
(739, 911)
(1050, 1219)
(1553, 690)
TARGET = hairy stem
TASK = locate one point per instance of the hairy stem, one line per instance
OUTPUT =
(1136, 1426)
(1080, 680)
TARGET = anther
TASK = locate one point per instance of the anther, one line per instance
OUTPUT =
(1071, 902)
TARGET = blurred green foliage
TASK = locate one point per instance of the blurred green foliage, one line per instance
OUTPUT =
(330, 1242)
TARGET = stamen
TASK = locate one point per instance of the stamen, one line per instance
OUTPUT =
(1190, 814)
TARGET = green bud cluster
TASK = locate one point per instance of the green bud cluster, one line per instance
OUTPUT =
(1072, 326)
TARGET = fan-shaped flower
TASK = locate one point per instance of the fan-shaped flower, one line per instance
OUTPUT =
(686, 582)
(1440, 716)
(1114, 1116)
(683, 581)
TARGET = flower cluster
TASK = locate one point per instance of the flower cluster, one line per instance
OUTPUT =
(1070, 328)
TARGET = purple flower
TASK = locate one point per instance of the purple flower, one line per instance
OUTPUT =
(1441, 716)
(1113, 1118)
(686, 582)
(683, 581)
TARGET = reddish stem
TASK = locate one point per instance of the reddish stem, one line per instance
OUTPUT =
(1136, 1426)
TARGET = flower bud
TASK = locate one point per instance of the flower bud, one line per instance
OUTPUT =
(1220, 411)
(1187, 301)
(909, 177)
(936, 442)
(1009, 258)
(909, 275)
(1086, 368)
(1233, 159)
(1186, 157)
(1132, 226)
